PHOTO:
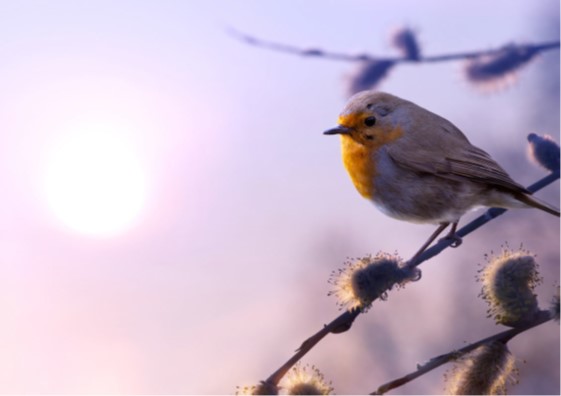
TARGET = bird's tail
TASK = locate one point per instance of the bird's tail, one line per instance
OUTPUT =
(536, 203)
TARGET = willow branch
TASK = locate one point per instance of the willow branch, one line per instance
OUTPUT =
(339, 56)
(505, 336)
(339, 325)
(345, 321)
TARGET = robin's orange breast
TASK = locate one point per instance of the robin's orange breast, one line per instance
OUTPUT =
(361, 165)
(360, 159)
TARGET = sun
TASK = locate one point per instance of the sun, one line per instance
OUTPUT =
(94, 180)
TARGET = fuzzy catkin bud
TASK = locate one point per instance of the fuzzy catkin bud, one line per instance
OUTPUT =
(305, 380)
(365, 279)
(369, 75)
(405, 41)
(485, 371)
(508, 281)
(544, 151)
(498, 69)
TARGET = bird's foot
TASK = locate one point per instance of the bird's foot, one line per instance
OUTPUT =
(455, 239)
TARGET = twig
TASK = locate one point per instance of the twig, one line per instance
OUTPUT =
(438, 361)
(319, 53)
(339, 325)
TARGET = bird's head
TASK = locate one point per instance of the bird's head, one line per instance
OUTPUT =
(370, 118)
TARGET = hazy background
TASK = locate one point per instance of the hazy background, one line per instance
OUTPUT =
(248, 207)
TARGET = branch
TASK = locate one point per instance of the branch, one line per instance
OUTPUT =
(505, 336)
(319, 53)
(290, 49)
(339, 325)
(344, 321)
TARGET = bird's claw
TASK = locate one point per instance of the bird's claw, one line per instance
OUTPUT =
(455, 240)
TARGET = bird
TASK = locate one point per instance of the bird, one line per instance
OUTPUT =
(417, 166)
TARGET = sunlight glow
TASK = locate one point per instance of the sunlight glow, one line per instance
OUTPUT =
(94, 181)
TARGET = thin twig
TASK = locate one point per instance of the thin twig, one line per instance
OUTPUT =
(476, 54)
(438, 361)
(339, 325)
(319, 53)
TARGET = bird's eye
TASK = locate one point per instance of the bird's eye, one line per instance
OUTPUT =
(370, 121)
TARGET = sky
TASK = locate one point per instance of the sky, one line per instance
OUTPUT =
(172, 212)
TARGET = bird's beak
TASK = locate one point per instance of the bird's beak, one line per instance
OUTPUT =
(338, 130)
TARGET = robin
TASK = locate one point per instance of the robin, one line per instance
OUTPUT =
(418, 167)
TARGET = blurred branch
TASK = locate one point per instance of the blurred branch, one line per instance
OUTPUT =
(485, 69)
(320, 53)
(505, 336)
(344, 321)
(294, 50)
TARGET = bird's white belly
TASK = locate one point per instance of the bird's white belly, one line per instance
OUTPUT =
(449, 215)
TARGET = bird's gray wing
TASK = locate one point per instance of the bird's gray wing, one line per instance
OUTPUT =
(448, 154)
